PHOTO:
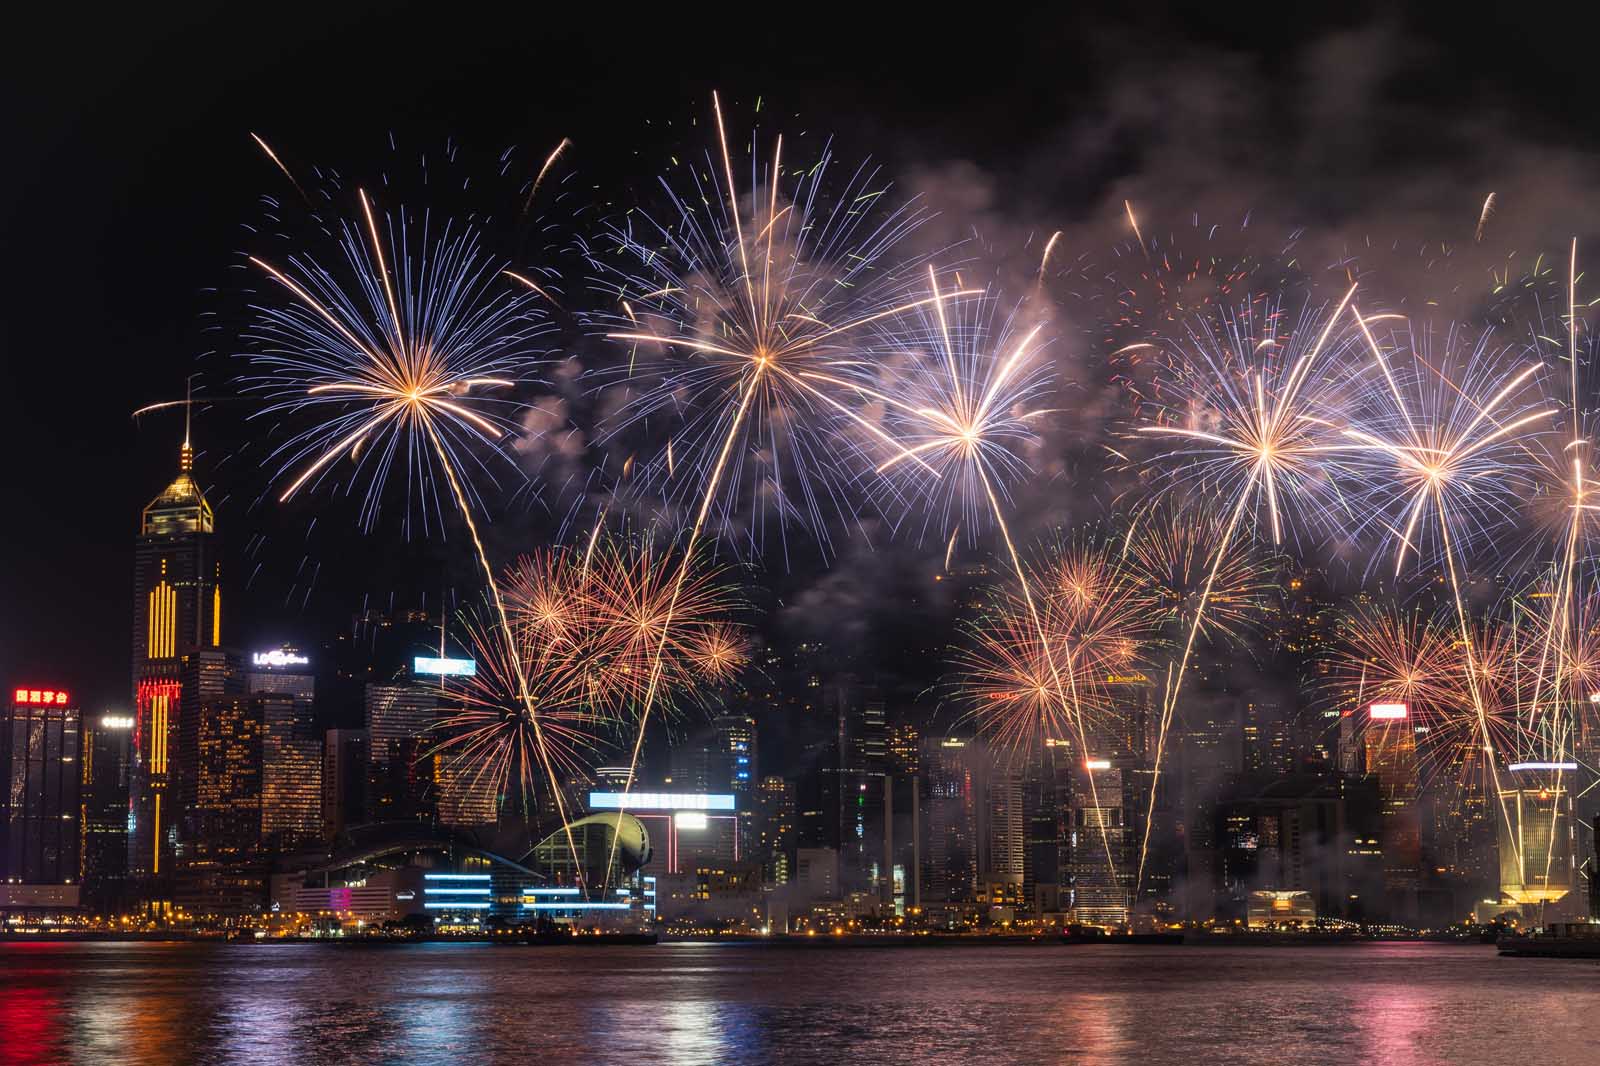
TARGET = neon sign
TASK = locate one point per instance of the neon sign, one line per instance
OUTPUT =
(279, 657)
(41, 697)
(1388, 710)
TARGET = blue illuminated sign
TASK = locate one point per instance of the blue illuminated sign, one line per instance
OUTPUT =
(424, 664)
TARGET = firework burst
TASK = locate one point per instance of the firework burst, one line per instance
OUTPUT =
(747, 320)
(1249, 423)
(1172, 547)
(584, 626)
(398, 361)
(1099, 625)
(964, 408)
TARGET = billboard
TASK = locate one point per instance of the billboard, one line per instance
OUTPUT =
(424, 664)
(661, 801)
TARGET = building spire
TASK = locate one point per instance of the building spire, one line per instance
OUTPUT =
(186, 453)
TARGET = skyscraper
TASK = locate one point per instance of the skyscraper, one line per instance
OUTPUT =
(291, 757)
(775, 803)
(39, 800)
(177, 609)
(399, 719)
(1536, 838)
(344, 780)
(950, 812)
(103, 806)
(1391, 745)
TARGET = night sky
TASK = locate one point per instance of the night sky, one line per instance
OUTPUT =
(130, 174)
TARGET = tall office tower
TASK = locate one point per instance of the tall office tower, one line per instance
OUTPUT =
(285, 672)
(467, 798)
(229, 781)
(1047, 792)
(1391, 746)
(692, 766)
(399, 712)
(259, 785)
(1536, 833)
(864, 833)
(734, 748)
(1103, 853)
(400, 720)
(344, 780)
(1207, 761)
(776, 818)
(103, 810)
(205, 674)
(224, 870)
(291, 773)
(177, 610)
(950, 815)
(904, 748)
(284, 689)
(39, 803)
(1007, 825)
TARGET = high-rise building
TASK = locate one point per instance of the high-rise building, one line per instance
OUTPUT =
(400, 719)
(950, 812)
(282, 685)
(1536, 833)
(1266, 741)
(776, 847)
(1047, 794)
(229, 780)
(291, 782)
(103, 809)
(39, 803)
(284, 671)
(177, 610)
(1103, 849)
(399, 712)
(1391, 746)
(344, 780)
(467, 798)
(1006, 821)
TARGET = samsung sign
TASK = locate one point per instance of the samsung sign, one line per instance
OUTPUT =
(422, 664)
(279, 657)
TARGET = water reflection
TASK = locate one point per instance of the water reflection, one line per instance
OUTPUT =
(450, 1004)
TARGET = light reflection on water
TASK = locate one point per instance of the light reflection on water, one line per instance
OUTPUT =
(1396, 1004)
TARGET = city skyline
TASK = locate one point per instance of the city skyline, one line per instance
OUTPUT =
(547, 531)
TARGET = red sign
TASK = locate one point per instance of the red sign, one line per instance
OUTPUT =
(41, 697)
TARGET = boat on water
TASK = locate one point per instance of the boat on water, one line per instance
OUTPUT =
(1559, 940)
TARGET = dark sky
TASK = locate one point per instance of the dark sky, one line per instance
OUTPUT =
(129, 172)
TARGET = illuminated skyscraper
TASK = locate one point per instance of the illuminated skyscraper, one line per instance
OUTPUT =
(950, 812)
(291, 756)
(775, 801)
(1536, 834)
(39, 800)
(177, 611)
(291, 764)
(1391, 745)
(1104, 849)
